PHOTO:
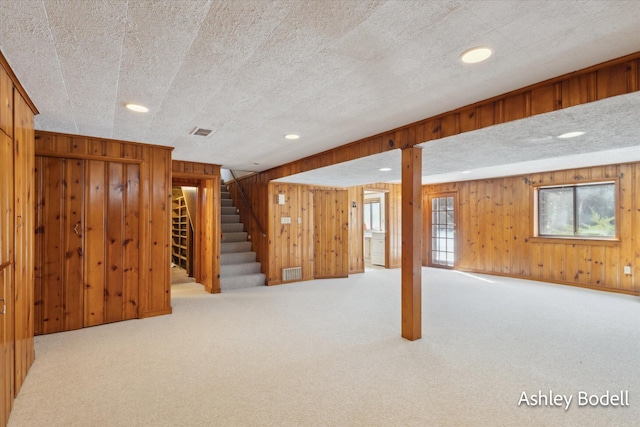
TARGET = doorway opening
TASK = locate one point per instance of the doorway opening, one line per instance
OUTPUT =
(183, 232)
(375, 224)
(443, 230)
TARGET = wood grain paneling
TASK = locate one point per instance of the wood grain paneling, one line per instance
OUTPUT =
(16, 238)
(6, 103)
(412, 243)
(87, 243)
(94, 242)
(24, 196)
(127, 196)
(6, 199)
(393, 215)
(206, 177)
(356, 230)
(495, 231)
(330, 224)
(7, 380)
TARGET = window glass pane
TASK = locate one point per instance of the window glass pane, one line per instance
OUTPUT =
(435, 204)
(375, 216)
(556, 211)
(367, 216)
(449, 217)
(450, 203)
(595, 210)
(442, 218)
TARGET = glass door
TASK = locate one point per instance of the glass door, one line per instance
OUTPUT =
(443, 226)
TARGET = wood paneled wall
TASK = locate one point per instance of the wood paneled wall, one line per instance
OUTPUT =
(356, 230)
(605, 80)
(295, 244)
(393, 214)
(207, 237)
(330, 233)
(290, 245)
(16, 239)
(495, 231)
(154, 174)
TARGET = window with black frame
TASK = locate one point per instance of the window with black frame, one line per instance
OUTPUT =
(577, 211)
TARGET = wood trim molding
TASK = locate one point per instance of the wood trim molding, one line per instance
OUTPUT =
(95, 138)
(81, 156)
(555, 282)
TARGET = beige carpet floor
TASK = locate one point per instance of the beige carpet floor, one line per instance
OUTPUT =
(329, 353)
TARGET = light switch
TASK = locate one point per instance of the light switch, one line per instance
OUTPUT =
(627, 270)
(281, 199)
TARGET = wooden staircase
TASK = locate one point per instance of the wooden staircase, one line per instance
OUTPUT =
(238, 266)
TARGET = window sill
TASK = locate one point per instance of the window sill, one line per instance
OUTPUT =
(574, 241)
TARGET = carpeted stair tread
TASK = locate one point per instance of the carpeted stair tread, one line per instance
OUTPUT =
(240, 282)
(226, 248)
(240, 236)
(232, 227)
(244, 269)
(229, 218)
(237, 258)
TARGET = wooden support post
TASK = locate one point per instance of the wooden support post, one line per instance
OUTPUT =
(412, 243)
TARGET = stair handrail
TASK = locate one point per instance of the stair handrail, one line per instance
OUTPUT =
(246, 201)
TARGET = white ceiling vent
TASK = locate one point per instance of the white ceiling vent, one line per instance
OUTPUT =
(201, 132)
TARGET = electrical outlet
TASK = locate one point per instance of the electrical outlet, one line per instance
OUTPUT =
(627, 270)
(285, 220)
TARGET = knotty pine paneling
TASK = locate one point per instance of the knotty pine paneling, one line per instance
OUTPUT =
(356, 230)
(7, 380)
(291, 245)
(594, 83)
(206, 177)
(393, 215)
(6, 103)
(6, 199)
(495, 231)
(147, 171)
(24, 197)
(16, 227)
(330, 225)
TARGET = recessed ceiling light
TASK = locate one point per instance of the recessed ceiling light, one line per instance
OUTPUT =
(477, 54)
(137, 108)
(385, 169)
(292, 136)
(466, 172)
(570, 135)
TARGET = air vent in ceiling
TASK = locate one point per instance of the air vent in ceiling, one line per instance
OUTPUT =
(201, 132)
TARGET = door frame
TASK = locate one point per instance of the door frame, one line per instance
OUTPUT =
(206, 238)
(428, 234)
(387, 240)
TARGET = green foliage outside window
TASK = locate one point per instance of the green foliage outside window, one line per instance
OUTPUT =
(577, 211)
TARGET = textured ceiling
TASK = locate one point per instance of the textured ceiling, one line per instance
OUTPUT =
(333, 71)
(612, 135)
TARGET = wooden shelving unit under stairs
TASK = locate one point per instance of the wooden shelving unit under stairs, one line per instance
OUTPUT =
(179, 232)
